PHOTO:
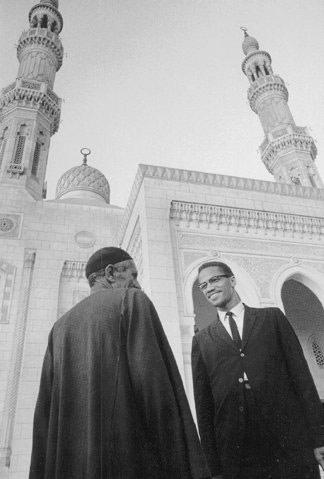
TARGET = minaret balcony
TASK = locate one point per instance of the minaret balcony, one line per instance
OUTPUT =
(265, 85)
(271, 151)
(41, 37)
(32, 94)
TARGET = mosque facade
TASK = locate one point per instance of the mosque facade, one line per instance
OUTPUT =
(269, 232)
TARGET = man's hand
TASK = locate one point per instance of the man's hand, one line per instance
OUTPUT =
(319, 456)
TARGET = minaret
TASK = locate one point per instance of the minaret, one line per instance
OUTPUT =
(288, 151)
(29, 108)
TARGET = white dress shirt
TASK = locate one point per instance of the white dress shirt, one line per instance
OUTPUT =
(238, 315)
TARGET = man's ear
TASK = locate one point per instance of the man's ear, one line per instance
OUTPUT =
(233, 281)
(109, 273)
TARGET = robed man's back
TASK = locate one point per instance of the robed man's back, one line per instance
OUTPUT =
(111, 402)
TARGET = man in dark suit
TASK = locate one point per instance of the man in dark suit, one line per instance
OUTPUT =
(259, 414)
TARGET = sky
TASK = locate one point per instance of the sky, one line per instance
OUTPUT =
(160, 82)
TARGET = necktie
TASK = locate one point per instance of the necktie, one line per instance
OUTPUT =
(235, 332)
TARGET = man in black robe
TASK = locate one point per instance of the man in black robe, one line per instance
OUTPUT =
(259, 414)
(111, 403)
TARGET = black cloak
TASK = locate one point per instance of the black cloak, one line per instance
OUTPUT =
(111, 403)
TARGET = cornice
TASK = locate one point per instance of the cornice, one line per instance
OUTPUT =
(32, 97)
(293, 140)
(213, 180)
(247, 220)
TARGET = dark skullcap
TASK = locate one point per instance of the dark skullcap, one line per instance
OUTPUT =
(103, 257)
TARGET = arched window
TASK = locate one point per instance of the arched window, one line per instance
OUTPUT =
(34, 22)
(258, 71)
(20, 144)
(44, 22)
(37, 152)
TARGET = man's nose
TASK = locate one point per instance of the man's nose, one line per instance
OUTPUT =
(209, 287)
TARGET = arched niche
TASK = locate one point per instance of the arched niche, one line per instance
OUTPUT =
(299, 292)
(195, 304)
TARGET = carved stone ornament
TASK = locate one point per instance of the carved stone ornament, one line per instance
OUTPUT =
(85, 239)
(246, 221)
(73, 270)
(295, 260)
(6, 224)
(253, 246)
(9, 225)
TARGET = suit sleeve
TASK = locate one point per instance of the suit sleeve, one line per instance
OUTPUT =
(41, 416)
(205, 408)
(302, 380)
(159, 392)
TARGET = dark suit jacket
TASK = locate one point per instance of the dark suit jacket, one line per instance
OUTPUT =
(279, 376)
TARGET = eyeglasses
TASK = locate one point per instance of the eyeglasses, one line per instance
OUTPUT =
(213, 280)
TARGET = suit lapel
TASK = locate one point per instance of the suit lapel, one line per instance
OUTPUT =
(220, 331)
(248, 324)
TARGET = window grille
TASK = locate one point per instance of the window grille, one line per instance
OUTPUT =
(19, 150)
(35, 164)
(318, 353)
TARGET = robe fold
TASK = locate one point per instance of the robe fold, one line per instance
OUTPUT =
(111, 403)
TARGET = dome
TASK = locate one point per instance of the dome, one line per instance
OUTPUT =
(83, 178)
(53, 3)
(250, 44)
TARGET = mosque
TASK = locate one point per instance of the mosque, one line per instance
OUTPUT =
(270, 232)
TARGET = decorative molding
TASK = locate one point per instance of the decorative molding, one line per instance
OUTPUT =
(251, 246)
(247, 220)
(212, 179)
(74, 270)
(300, 142)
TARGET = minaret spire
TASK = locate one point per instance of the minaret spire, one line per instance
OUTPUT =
(288, 151)
(29, 108)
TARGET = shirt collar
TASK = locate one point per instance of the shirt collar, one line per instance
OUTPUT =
(237, 310)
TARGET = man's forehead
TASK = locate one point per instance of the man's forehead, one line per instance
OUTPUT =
(208, 272)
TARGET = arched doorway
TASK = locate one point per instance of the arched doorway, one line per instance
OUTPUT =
(306, 315)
